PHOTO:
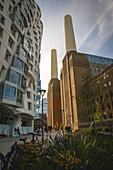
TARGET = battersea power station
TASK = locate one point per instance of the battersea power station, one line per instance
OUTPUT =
(63, 106)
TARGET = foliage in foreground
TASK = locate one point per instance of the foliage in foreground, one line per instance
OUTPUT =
(74, 151)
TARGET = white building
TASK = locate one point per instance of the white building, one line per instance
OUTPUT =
(20, 42)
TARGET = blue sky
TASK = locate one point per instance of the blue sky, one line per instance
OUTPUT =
(93, 28)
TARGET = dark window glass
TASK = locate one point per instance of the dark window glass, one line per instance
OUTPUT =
(104, 116)
(28, 95)
(110, 115)
(7, 56)
(15, 77)
(13, 31)
(94, 72)
(97, 69)
(9, 92)
(1, 7)
(101, 98)
(97, 99)
(108, 106)
(1, 32)
(26, 69)
(19, 96)
(111, 94)
(18, 64)
(109, 83)
(23, 82)
(102, 68)
(29, 106)
(2, 19)
(106, 95)
(102, 107)
(10, 43)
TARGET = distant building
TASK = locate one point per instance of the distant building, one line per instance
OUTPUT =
(44, 107)
(38, 96)
(20, 42)
(38, 118)
(54, 117)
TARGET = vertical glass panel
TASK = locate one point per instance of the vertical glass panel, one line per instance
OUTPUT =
(9, 92)
(97, 69)
(15, 77)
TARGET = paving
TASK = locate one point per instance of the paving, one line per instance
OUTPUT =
(7, 142)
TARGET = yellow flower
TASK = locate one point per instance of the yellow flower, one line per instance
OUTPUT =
(66, 165)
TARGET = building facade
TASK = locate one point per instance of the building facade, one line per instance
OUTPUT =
(20, 42)
(74, 66)
(54, 117)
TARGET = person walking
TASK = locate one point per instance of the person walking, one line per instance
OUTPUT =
(15, 130)
(18, 132)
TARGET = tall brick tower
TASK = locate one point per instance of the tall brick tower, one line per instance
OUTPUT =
(74, 66)
(54, 118)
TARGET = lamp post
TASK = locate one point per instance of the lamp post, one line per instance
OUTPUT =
(42, 92)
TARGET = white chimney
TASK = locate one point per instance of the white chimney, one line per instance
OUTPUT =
(69, 34)
(54, 68)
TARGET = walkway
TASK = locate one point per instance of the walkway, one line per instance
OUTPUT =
(7, 142)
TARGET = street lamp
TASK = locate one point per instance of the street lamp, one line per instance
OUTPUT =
(42, 92)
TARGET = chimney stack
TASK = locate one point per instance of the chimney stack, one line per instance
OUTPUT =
(54, 68)
(69, 34)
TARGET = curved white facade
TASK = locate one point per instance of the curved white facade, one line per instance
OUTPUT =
(20, 43)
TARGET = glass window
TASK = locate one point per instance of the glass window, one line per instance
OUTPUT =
(108, 106)
(111, 94)
(101, 98)
(7, 56)
(1, 7)
(19, 96)
(105, 85)
(110, 115)
(15, 77)
(26, 69)
(10, 43)
(97, 69)
(94, 72)
(104, 116)
(10, 7)
(2, 19)
(28, 95)
(9, 92)
(29, 106)
(23, 82)
(13, 31)
(109, 83)
(102, 68)
(103, 107)
(106, 95)
(18, 64)
(1, 32)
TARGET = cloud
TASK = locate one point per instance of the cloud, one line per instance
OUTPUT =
(102, 29)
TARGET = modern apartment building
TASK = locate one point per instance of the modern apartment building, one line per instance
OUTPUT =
(21, 31)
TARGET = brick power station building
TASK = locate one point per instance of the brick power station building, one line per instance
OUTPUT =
(74, 65)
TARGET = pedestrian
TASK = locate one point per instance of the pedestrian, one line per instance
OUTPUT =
(18, 132)
(15, 132)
